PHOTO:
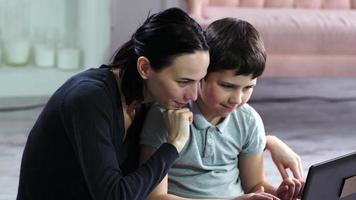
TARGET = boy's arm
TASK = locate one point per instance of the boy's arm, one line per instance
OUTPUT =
(161, 190)
(284, 157)
(252, 178)
(252, 174)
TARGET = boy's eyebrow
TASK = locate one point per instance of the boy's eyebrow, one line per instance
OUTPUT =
(235, 85)
(251, 85)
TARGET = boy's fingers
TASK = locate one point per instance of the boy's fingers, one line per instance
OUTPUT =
(264, 196)
(297, 171)
(282, 191)
(301, 170)
(291, 188)
(298, 186)
(261, 189)
(300, 192)
(282, 171)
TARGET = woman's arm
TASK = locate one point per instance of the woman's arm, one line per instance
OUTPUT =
(88, 122)
(161, 190)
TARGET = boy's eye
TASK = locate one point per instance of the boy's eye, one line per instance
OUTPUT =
(227, 86)
(249, 87)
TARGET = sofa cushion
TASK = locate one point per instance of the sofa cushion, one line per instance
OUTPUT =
(307, 4)
(336, 4)
(224, 2)
(353, 4)
(252, 3)
(297, 31)
(279, 3)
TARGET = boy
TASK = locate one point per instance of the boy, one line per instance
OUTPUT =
(223, 158)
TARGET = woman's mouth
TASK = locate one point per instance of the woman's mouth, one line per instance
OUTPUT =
(229, 107)
(179, 105)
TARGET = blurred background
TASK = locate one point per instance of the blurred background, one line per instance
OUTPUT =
(306, 97)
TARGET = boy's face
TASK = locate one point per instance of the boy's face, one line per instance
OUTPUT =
(222, 92)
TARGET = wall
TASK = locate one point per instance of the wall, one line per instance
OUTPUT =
(98, 27)
(84, 24)
(127, 15)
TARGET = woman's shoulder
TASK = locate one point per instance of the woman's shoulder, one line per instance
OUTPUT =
(92, 85)
(93, 76)
(90, 80)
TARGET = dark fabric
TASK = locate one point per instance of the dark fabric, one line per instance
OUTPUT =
(313, 88)
(76, 149)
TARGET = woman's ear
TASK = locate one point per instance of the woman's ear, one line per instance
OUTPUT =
(143, 67)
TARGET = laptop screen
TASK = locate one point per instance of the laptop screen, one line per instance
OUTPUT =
(332, 180)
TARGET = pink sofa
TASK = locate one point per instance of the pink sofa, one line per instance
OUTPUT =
(302, 37)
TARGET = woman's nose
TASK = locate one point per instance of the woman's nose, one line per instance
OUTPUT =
(191, 93)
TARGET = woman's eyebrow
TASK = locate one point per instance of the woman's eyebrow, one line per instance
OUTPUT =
(187, 79)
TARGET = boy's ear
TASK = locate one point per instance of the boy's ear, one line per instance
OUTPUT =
(143, 67)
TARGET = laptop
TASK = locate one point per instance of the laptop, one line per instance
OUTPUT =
(332, 180)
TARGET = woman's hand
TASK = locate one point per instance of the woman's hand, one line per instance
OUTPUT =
(177, 122)
(258, 195)
(284, 158)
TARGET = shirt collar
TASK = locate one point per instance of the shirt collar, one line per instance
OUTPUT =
(200, 122)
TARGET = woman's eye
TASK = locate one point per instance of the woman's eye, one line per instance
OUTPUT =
(183, 83)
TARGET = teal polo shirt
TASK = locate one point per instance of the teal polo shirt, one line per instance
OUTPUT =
(208, 164)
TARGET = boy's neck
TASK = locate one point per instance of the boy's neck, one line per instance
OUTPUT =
(209, 116)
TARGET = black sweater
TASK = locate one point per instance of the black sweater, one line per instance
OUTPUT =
(76, 149)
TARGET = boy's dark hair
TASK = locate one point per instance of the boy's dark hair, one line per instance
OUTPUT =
(161, 38)
(235, 44)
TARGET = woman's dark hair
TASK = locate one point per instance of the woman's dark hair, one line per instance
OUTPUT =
(237, 45)
(161, 38)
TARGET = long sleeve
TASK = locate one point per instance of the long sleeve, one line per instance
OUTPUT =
(89, 117)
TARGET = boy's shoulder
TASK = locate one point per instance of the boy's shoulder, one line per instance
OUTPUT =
(154, 111)
(245, 111)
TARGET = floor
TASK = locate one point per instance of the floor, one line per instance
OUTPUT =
(14, 129)
(317, 118)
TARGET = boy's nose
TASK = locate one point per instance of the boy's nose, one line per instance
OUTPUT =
(236, 98)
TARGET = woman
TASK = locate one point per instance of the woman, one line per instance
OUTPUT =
(81, 147)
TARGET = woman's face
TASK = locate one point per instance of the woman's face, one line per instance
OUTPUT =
(178, 83)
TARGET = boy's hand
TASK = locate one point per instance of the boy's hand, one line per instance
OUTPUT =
(284, 158)
(290, 189)
(177, 123)
(258, 195)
